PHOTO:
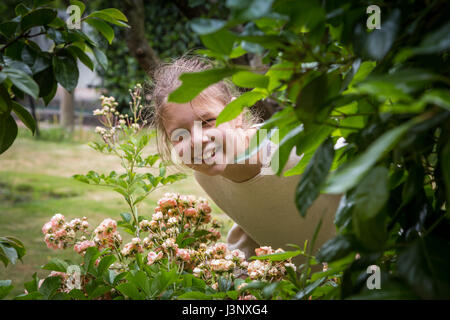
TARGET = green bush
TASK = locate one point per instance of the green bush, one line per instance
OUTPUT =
(386, 93)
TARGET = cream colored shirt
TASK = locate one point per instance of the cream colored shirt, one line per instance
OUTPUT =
(264, 211)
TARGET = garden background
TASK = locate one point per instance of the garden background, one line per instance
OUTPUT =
(318, 71)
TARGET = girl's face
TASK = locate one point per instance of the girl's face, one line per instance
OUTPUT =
(207, 140)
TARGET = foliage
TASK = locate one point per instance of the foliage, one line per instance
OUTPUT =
(167, 33)
(182, 259)
(26, 69)
(385, 94)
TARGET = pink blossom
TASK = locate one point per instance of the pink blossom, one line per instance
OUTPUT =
(152, 257)
(81, 247)
(57, 220)
(191, 212)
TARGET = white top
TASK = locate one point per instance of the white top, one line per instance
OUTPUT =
(264, 211)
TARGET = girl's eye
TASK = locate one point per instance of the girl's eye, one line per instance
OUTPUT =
(209, 121)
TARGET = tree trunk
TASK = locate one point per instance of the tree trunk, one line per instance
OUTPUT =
(33, 113)
(136, 38)
(67, 115)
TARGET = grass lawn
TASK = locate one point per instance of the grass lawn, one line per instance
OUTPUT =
(36, 182)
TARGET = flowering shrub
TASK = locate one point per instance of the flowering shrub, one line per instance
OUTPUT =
(180, 236)
(173, 253)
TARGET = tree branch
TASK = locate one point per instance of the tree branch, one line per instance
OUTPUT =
(136, 37)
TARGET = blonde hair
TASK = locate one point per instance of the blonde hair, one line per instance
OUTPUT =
(165, 80)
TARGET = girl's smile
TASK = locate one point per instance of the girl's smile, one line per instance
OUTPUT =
(207, 143)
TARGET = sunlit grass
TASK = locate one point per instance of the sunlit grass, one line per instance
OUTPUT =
(36, 182)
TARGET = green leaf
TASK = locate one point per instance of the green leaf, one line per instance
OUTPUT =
(280, 256)
(56, 264)
(66, 71)
(335, 248)
(32, 285)
(424, 265)
(364, 70)
(370, 196)
(279, 73)
(24, 116)
(104, 264)
(39, 17)
(348, 175)
(247, 79)
(221, 41)
(22, 81)
(376, 44)
(313, 95)
(8, 132)
(21, 9)
(49, 286)
(77, 294)
(101, 27)
(314, 176)
(235, 107)
(78, 53)
(107, 18)
(203, 26)
(99, 291)
(90, 256)
(195, 82)
(306, 144)
(194, 295)
(306, 292)
(101, 57)
(129, 290)
(126, 216)
(114, 13)
(79, 4)
(5, 288)
(30, 296)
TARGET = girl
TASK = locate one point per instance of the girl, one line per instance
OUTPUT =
(261, 205)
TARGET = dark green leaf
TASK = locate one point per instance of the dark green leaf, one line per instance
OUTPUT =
(66, 71)
(376, 44)
(24, 116)
(39, 17)
(424, 265)
(49, 286)
(78, 53)
(8, 132)
(104, 264)
(101, 57)
(335, 248)
(129, 290)
(314, 176)
(370, 196)
(56, 264)
(22, 81)
(347, 176)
